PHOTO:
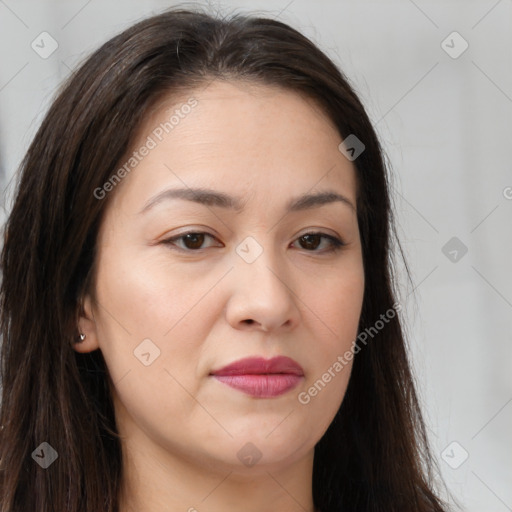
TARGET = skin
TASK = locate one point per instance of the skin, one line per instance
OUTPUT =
(181, 428)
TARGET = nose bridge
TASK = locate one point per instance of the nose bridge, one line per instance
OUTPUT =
(262, 291)
(261, 267)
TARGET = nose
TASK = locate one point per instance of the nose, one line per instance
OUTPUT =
(263, 297)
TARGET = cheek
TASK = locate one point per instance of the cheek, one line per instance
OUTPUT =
(336, 308)
(150, 336)
(338, 304)
(141, 300)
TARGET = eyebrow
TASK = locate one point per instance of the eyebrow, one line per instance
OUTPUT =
(210, 197)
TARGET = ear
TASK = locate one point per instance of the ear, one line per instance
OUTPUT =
(87, 326)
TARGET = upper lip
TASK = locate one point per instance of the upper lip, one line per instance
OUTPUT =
(262, 366)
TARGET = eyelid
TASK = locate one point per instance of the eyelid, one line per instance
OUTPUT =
(170, 240)
(318, 231)
(336, 242)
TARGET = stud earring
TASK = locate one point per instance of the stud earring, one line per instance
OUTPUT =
(82, 337)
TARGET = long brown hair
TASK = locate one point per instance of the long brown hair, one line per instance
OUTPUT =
(373, 457)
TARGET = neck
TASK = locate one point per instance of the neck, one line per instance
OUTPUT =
(156, 479)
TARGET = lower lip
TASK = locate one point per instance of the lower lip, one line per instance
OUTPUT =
(261, 386)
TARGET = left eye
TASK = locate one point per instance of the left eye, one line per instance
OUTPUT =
(313, 240)
(193, 241)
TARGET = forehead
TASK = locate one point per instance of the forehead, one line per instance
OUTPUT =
(236, 111)
(241, 137)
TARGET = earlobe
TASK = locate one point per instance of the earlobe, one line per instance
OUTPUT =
(87, 339)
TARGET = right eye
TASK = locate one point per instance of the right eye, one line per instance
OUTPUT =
(192, 241)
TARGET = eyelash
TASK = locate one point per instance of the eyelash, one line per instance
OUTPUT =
(336, 243)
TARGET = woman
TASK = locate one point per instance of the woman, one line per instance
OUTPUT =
(197, 300)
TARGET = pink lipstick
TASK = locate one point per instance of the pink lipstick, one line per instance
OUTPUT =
(261, 378)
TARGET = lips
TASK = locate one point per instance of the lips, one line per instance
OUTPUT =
(261, 366)
(261, 378)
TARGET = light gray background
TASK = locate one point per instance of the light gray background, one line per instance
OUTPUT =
(446, 126)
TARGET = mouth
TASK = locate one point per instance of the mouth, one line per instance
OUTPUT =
(261, 378)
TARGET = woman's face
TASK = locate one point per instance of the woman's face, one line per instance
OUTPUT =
(169, 310)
